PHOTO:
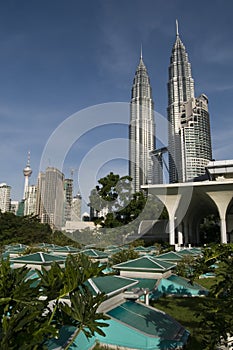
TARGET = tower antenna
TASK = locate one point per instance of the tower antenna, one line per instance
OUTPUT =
(28, 162)
(141, 52)
(177, 28)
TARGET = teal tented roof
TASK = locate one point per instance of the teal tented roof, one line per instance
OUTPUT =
(47, 245)
(141, 249)
(185, 283)
(81, 341)
(146, 283)
(93, 253)
(189, 252)
(38, 258)
(170, 256)
(145, 263)
(66, 249)
(110, 284)
(148, 320)
(179, 286)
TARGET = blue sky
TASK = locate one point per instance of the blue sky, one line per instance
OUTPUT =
(60, 57)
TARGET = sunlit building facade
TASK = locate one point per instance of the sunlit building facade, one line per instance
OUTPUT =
(5, 197)
(189, 138)
(141, 129)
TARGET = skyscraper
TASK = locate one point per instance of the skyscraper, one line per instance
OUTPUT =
(76, 208)
(180, 90)
(30, 200)
(195, 137)
(5, 195)
(141, 129)
(50, 197)
(189, 143)
(68, 192)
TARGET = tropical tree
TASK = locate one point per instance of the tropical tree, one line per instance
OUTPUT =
(186, 266)
(217, 309)
(31, 313)
(25, 230)
(210, 230)
(114, 194)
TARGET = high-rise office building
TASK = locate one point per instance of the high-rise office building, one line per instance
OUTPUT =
(141, 129)
(68, 189)
(5, 197)
(14, 207)
(195, 137)
(189, 143)
(50, 197)
(180, 90)
(30, 200)
(76, 208)
(40, 193)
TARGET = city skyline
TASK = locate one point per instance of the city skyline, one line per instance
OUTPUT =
(57, 59)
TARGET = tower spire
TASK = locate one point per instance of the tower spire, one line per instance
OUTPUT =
(28, 162)
(141, 53)
(177, 28)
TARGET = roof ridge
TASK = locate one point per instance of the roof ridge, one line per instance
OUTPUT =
(94, 286)
(42, 256)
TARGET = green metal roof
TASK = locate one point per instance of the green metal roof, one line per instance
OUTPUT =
(16, 250)
(171, 256)
(38, 258)
(110, 284)
(197, 251)
(185, 283)
(66, 249)
(144, 283)
(187, 252)
(81, 341)
(93, 253)
(110, 247)
(145, 263)
(15, 247)
(112, 251)
(47, 245)
(147, 320)
(140, 249)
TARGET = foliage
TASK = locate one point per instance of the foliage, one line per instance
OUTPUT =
(25, 230)
(184, 310)
(210, 230)
(217, 309)
(186, 266)
(60, 238)
(137, 243)
(28, 230)
(113, 193)
(123, 255)
(30, 315)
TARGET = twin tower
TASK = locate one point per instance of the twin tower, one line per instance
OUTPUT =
(189, 139)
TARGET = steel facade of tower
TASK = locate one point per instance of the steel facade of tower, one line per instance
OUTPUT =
(180, 90)
(5, 195)
(195, 134)
(141, 129)
(68, 189)
(50, 197)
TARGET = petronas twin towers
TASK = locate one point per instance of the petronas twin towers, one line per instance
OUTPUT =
(189, 139)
